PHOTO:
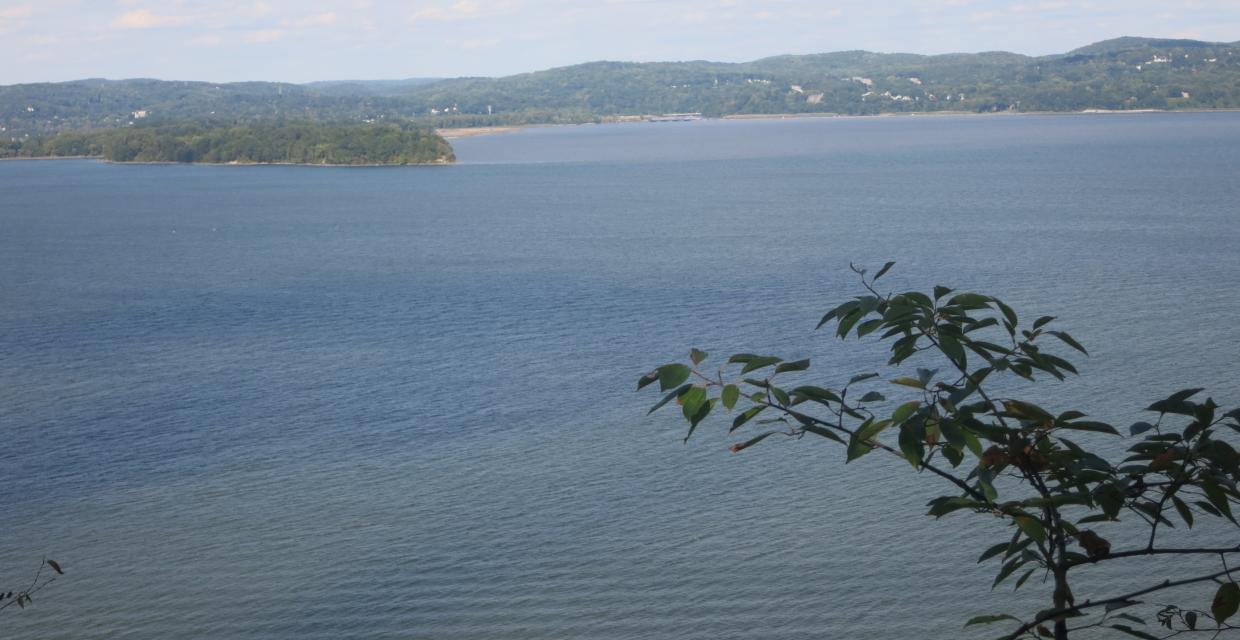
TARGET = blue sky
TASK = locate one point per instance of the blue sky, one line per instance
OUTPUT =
(303, 40)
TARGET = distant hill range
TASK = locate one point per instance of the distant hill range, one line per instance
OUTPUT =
(1120, 74)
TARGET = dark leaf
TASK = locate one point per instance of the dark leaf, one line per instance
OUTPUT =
(760, 362)
(1226, 600)
(1068, 340)
(697, 356)
(799, 365)
(1032, 527)
(881, 272)
(55, 566)
(858, 378)
(745, 417)
(668, 398)
(1134, 632)
(1041, 322)
(989, 619)
(751, 442)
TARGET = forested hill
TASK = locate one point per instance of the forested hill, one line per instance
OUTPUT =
(287, 143)
(1125, 73)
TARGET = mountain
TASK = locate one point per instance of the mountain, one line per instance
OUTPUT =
(1120, 74)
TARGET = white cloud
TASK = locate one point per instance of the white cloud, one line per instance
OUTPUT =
(264, 35)
(12, 18)
(463, 10)
(208, 40)
(325, 19)
(146, 19)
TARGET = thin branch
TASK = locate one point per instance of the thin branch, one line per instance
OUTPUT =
(1157, 552)
(1090, 604)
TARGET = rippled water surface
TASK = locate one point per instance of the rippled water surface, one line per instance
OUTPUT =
(282, 402)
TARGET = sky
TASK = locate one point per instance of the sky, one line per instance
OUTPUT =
(306, 40)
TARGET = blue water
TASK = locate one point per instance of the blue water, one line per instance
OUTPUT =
(284, 402)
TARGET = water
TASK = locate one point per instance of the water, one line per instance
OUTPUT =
(281, 402)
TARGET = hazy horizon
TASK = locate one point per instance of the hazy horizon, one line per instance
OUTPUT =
(332, 40)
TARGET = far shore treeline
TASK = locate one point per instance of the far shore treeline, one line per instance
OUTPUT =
(1122, 75)
(263, 143)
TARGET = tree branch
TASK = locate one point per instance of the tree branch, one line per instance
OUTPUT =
(1090, 604)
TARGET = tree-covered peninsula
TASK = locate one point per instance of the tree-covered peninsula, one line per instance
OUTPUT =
(264, 143)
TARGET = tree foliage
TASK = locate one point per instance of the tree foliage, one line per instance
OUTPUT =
(1001, 456)
(300, 143)
(1126, 73)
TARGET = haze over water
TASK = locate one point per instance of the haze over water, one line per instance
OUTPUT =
(286, 402)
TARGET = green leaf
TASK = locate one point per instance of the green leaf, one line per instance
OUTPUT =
(760, 362)
(904, 411)
(745, 417)
(668, 398)
(887, 267)
(942, 506)
(992, 552)
(1139, 428)
(653, 376)
(911, 444)
(1028, 411)
(909, 382)
(989, 619)
(697, 356)
(1008, 315)
(1098, 427)
(970, 300)
(1032, 527)
(672, 376)
(1217, 497)
(940, 291)
(816, 430)
(799, 365)
(697, 417)
(1185, 513)
(1007, 570)
(857, 446)
(1041, 322)
(1022, 579)
(817, 394)
(736, 448)
(730, 394)
(860, 377)
(1068, 340)
(691, 401)
(952, 349)
(868, 327)
(873, 396)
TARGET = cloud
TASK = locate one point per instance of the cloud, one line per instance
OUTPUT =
(208, 40)
(12, 18)
(146, 19)
(325, 19)
(463, 10)
(264, 35)
(478, 43)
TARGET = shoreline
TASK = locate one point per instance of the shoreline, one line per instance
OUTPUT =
(470, 132)
(233, 164)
